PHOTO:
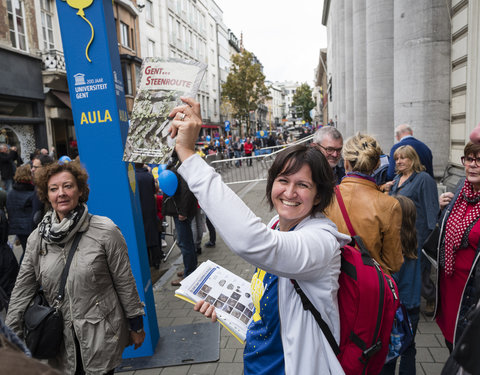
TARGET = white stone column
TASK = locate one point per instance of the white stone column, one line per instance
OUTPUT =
(359, 66)
(349, 96)
(422, 73)
(340, 40)
(379, 50)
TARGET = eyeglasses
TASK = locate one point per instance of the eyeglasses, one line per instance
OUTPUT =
(331, 150)
(467, 160)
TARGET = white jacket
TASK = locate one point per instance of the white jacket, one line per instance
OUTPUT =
(310, 254)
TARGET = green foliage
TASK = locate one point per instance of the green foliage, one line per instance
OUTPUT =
(245, 86)
(303, 99)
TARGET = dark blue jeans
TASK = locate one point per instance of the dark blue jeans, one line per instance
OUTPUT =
(407, 359)
(186, 244)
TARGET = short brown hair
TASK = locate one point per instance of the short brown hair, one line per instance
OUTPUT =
(409, 152)
(471, 149)
(291, 160)
(23, 174)
(43, 175)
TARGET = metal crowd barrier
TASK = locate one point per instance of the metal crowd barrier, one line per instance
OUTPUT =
(248, 168)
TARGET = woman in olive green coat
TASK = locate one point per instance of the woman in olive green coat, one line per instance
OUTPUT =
(102, 310)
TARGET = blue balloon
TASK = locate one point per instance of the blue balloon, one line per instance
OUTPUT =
(217, 143)
(64, 160)
(161, 167)
(208, 138)
(227, 141)
(168, 182)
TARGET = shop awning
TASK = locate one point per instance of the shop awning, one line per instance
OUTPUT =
(63, 96)
(210, 126)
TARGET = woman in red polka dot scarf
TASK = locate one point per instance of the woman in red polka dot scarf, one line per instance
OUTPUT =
(459, 246)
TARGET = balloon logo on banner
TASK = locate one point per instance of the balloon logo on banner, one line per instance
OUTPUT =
(81, 5)
(155, 172)
(64, 160)
(168, 182)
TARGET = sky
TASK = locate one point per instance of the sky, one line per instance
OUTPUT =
(285, 35)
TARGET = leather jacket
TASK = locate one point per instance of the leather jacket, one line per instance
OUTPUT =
(376, 218)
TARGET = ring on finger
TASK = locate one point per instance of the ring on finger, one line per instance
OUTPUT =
(182, 116)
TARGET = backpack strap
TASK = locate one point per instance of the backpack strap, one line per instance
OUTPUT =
(344, 211)
(308, 305)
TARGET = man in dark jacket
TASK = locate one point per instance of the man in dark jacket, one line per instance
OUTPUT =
(183, 206)
(146, 189)
(330, 142)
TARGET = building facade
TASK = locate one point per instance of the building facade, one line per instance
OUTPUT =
(320, 91)
(388, 64)
(22, 118)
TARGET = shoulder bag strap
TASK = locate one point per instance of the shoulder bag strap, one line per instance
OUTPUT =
(63, 280)
(308, 305)
(344, 211)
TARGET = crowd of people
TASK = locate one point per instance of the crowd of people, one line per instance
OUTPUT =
(46, 207)
(236, 147)
(303, 240)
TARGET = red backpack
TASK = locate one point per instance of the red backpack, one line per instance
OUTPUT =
(367, 300)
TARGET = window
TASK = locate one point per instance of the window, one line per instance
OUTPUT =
(132, 39)
(179, 36)
(149, 11)
(151, 48)
(184, 38)
(47, 28)
(171, 32)
(124, 39)
(127, 78)
(189, 41)
(194, 46)
(16, 24)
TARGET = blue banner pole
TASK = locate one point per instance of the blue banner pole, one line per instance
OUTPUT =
(101, 125)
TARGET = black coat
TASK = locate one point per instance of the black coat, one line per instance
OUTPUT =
(146, 190)
(183, 202)
(19, 208)
(6, 165)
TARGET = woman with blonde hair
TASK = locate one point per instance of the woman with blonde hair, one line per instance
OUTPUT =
(375, 217)
(412, 182)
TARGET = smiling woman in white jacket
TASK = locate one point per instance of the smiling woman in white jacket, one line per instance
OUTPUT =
(299, 243)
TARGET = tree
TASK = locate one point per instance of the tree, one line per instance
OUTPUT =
(303, 99)
(245, 86)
